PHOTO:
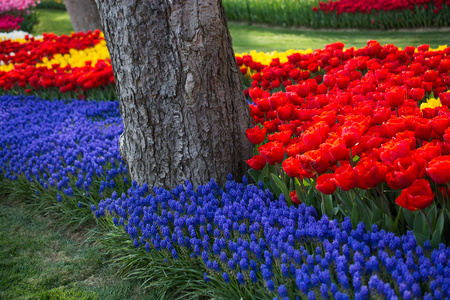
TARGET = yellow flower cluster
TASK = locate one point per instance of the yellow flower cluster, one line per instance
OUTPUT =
(78, 58)
(75, 58)
(266, 58)
(6, 68)
(431, 103)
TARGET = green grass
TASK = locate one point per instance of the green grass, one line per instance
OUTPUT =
(260, 38)
(246, 38)
(38, 262)
(53, 20)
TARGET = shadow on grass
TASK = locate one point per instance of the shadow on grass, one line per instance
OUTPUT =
(38, 262)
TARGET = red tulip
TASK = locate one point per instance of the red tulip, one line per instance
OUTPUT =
(445, 98)
(381, 74)
(256, 135)
(417, 94)
(417, 196)
(393, 150)
(314, 161)
(406, 171)
(277, 99)
(302, 90)
(430, 150)
(427, 86)
(346, 177)
(329, 80)
(343, 82)
(410, 50)
(294, 197)
(272, 125)
(371, 173)
(394, 125)
(326, 184)
(315, 135)
(416, 68)
(423, 48)
(422, 128)
(292, 167)
(262, 104)
(439, 169)
(257, 162)
(440, 124)
(283, 137)
(335, 152)
(295, 148)
(350, 135)
(395, 97)
(285, 112)
(447, 135)
(272, 152)
(430, 75)
(312, 85)
(370, 141)
(381, 115)
(294, 74)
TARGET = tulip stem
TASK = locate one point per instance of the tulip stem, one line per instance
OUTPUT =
(362, 201)
(428, 220)
(384, 199)
(345, 206)
(323, 199)
(351, 158)
(301, 183)
(281, 174)
(396, 109)
(447, 190)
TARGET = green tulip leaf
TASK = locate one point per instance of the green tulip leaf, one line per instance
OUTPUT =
(329, 209)
(440, 223)
(254, 174)
(409, 217)
(298, 189)
(419, 223)
(420, 238)
(277, 185)
(355, 216)
(436, 239)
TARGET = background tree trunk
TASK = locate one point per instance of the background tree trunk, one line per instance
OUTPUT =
(83, 14)
(181, 99)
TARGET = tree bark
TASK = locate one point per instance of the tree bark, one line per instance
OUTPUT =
(83, 14)
(180, 94)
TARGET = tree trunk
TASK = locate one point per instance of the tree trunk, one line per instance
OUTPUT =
(180, 94)
(83, 14)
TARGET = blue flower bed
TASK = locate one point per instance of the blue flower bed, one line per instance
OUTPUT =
(239, 236)
(68, 146)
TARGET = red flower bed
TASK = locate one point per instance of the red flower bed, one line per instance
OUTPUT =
(26, 74)
(350, 119)
(368, 6)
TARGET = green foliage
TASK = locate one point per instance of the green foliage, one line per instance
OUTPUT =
(98, 93)
(373, 206)
(52, 4)
(299, 13)
(274, 12)
(30, 21)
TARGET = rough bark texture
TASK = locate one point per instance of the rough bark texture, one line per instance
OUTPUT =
(179, 89)
(83, 14)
